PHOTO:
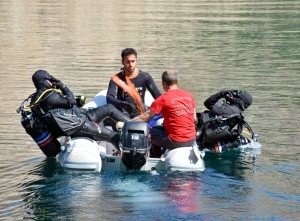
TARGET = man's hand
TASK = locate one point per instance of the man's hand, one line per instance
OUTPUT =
(119, 125)
(227, 93)
(53, 79)
(58, 85)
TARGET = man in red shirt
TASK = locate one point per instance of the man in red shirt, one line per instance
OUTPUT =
(178, 109)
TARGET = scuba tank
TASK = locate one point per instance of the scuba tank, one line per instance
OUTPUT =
(38, 131)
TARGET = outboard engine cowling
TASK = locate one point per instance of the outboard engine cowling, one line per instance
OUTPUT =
(134, 144)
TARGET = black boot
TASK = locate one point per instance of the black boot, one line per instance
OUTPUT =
(111, 136)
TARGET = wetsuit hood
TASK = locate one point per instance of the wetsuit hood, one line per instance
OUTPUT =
(241, 99)
(238, 102)
(246, 98)
(39, 80)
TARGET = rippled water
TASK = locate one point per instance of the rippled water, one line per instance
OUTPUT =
(251, 45)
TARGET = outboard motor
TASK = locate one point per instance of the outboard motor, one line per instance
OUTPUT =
(134, 144)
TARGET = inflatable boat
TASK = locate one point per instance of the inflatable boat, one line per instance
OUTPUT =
(86, 154)
(82, 153)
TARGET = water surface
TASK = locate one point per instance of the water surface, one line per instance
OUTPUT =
(214, 45)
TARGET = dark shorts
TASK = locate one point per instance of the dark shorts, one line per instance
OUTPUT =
(160, 138)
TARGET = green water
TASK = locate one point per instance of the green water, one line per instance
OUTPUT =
(214, 45)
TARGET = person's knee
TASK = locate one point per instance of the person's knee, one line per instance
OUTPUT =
(110, 107)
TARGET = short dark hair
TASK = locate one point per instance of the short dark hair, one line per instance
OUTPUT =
(169, 77)
(128, 51)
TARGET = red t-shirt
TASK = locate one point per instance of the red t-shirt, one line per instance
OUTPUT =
(177, 108)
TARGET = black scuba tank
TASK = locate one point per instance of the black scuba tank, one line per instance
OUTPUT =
(39, 132)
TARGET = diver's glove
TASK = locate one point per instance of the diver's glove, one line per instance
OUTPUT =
(53, 79)
(80, 100)
(56, 83)
(59, 85)
(227, 93)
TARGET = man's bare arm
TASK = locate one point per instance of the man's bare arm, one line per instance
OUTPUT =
(146, 116)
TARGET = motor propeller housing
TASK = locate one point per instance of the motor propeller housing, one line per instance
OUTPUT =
(135, 144)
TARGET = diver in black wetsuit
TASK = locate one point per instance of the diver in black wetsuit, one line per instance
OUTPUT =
(236, 102)
(223, 120)
(141, 80)
(93, 127)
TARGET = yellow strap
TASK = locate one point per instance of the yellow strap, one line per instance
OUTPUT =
(28, 107)
(246, 132)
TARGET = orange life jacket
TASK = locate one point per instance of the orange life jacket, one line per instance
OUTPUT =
(130, 89)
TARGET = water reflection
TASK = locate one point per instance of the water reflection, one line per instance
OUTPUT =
(59, 194)
(35, 192)
(50, 192)
(164, 196)
(232, 163)
(56, 193)
(252, 45)
(185, 194)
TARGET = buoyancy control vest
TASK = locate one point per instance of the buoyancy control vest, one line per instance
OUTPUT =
(60, 121)
(214, 128)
